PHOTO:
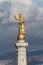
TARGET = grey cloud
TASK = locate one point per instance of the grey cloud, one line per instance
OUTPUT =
(4, 12)
(11, 9)
(8, 37)
(35, 29)
(31, 12)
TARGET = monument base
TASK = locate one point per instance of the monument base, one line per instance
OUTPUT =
(21, 47)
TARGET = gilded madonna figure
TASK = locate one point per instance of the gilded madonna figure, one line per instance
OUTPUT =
(21, 35)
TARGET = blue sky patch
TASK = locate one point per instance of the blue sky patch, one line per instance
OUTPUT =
(38, 2)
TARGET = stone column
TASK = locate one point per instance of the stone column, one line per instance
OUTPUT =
(21, 47)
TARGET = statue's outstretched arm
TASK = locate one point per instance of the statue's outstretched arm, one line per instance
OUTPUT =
(16, 18)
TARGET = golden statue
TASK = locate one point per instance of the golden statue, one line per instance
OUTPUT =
(21, 34)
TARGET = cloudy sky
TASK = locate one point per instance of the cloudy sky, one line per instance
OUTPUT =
(32, 11)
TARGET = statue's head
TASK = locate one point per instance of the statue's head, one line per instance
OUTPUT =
(19, 14)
